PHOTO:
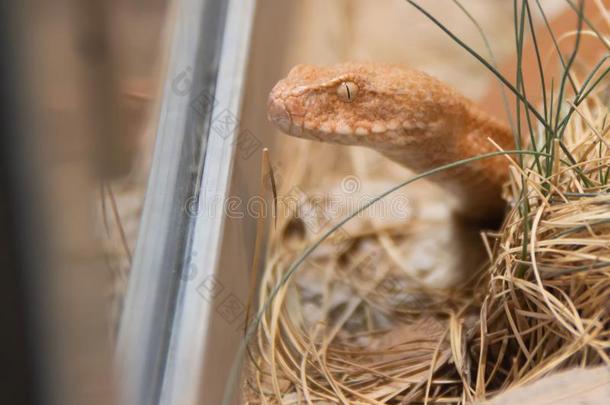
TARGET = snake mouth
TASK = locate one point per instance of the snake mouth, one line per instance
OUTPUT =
(281, 118)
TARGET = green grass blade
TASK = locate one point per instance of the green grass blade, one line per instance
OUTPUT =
(493, 59)
(538, 58)
(480, 59)
(592, 27)
(554, 40)
(566, 70)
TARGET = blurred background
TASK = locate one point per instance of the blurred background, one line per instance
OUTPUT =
(84, 86)
(79, 83)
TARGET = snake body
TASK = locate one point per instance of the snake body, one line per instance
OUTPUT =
(408, 116)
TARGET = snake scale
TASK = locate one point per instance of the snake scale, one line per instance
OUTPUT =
(406, 115)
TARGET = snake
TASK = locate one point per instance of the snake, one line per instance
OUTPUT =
(406, 115)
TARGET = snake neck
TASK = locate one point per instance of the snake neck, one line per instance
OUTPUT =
(478, 184)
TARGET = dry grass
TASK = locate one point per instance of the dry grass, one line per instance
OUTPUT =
(547, 306)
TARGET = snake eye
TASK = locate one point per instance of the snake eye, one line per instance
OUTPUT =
(347, 91)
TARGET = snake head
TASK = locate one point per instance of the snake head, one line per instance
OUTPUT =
(371, 104)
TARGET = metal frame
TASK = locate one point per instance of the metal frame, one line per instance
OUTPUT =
(162, 345)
